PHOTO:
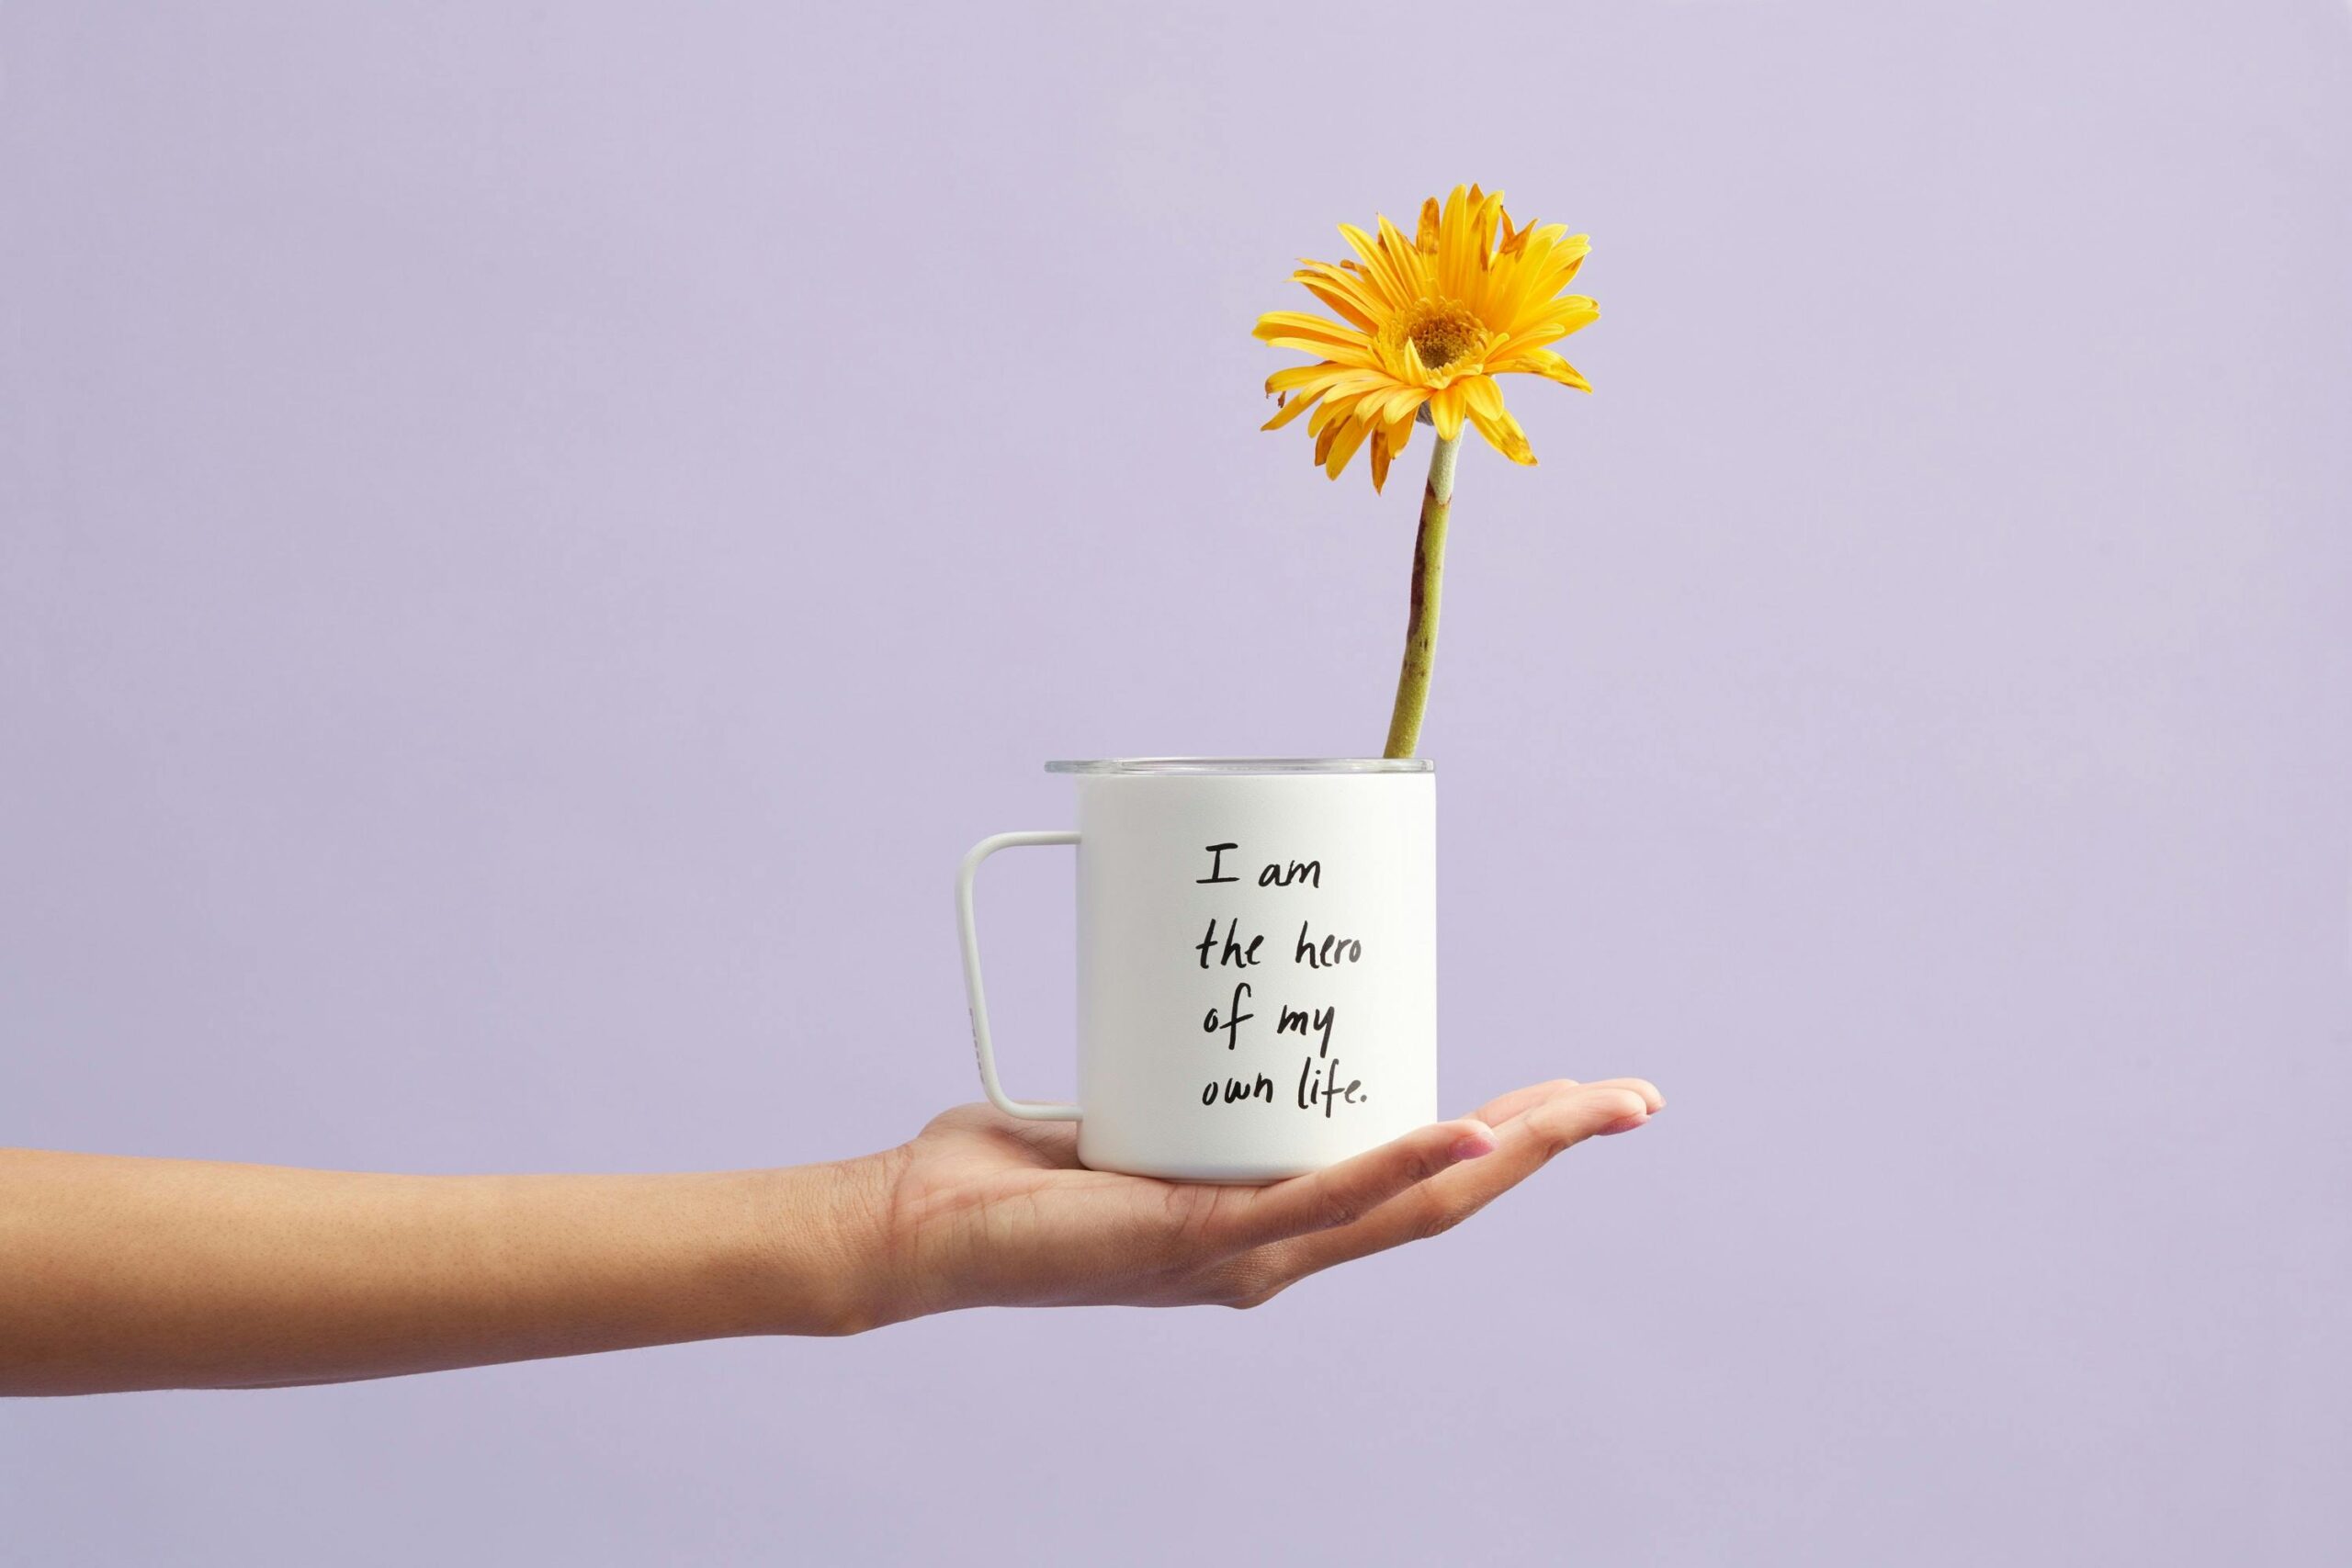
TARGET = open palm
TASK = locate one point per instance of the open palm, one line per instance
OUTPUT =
(983, 1209)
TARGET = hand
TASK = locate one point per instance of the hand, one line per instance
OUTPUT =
(982, 1209)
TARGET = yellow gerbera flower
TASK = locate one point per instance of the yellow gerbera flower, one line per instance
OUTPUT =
(1428, 321)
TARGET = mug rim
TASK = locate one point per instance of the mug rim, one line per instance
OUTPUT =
(1242, 765)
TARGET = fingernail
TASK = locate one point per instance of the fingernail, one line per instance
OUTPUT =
(1470, 1146)
(1626, 1124)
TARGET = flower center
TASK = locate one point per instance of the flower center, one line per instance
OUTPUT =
(1442, 331)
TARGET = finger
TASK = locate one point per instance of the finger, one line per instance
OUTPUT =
(1501, 1109)
(1652, 1099)
(1594, 1109)
(1353, 1189)
(1525, 1146)
(1503, 1106)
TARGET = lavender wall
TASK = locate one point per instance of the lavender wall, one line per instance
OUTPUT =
(531, 539)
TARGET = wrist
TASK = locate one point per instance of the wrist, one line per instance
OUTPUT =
(823, 1235)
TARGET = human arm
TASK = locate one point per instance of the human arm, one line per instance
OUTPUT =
(127, 1273)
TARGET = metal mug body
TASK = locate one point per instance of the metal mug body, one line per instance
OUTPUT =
(1257, 964)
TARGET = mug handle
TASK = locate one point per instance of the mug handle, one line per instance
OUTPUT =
(1035, 1111)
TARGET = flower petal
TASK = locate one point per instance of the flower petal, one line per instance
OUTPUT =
(1502, 354)
(1290, 411)
(1384, 271)
(1338, 354)
(1412, 267)
(1572, 312)
(1401, 435)
(1482, 396)
(1403, 404)
(1445, 411)
(1297, 323)
(1552, 367)
(1504, 435)
(1351, 436)
(1333, 410)
(1497, 423)
(1298, 377)
(1341, 299)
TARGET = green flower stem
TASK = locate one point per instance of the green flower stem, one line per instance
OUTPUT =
(1420, 628)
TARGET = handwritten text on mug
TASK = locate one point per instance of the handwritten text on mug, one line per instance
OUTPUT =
(1222, 947)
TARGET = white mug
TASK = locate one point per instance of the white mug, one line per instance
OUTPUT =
(1257, 962)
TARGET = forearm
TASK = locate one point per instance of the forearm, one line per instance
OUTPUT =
(143, 1273)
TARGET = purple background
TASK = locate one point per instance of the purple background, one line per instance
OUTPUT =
(530, 539)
